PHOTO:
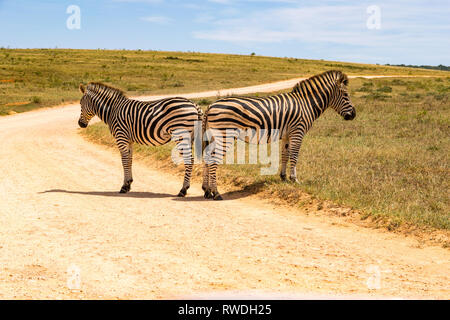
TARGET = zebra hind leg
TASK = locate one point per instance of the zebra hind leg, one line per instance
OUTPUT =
(187, 178)
(294, 148)
(205, 184)
(184, 146)
(284, 159)
(186, 182)
(183, 191)
(208, 194)
(126, 186)
(127, 158)
(212, 192)
(217, 196)
(223, 143)
(207, 156)
(210, 188)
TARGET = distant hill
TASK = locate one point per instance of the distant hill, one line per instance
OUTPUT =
(439, 67)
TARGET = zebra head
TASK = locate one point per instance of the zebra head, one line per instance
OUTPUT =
(87, 112)
(341, 101)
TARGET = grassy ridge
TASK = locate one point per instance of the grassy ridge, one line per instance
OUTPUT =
(34, 78)
(391, 162)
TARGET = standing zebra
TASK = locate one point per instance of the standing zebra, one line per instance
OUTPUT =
(290, 114)
(151, 123)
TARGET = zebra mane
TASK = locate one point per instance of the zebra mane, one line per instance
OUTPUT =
(98, 87)
(336, 75)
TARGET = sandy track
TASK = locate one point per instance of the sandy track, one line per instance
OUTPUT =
(60, 207)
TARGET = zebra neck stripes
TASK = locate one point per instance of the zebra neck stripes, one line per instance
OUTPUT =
(105, 100)
(104, 107)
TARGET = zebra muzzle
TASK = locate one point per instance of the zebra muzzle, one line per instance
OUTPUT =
(82, 124)
(350, 115)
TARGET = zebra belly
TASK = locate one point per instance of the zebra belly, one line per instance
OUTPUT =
(146, 137)
(153, 143)
(257, 136)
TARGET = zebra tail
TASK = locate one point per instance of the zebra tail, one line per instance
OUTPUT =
(205, 139)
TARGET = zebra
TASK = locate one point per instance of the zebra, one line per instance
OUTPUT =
(149, 123)
(291, 115)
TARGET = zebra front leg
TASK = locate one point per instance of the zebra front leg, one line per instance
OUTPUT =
(127, 158)
(284, 158)
(295, 142)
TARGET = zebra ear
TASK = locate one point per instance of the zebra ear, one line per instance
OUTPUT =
(82, 88)
(343, 80)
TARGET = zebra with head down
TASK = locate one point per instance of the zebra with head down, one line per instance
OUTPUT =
(291, 115)
(150, 123)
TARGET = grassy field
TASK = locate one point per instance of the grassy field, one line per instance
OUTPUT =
(35, 78)
(390, 163)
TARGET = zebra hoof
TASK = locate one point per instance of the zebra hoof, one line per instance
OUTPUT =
(294, 180)
(217, 196)
(124, 189)
(182, 193)
(283, 176)
(208, 194)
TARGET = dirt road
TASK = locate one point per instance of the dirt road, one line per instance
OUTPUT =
(60, 212)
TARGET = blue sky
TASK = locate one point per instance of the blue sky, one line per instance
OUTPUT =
(411, 32)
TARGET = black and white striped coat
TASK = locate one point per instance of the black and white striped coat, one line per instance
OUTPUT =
(290, 115)
(150, 123)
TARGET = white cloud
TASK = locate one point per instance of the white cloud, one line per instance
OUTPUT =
(221, 1)
(339, 31)
(157, 19)
(143, 1)
(331, 24)
(229, 2)
(277, 25)
(204, 18)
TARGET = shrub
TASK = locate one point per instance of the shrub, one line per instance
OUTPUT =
(384, 89)
(204, 102)
(36, 100)
(398, 82)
